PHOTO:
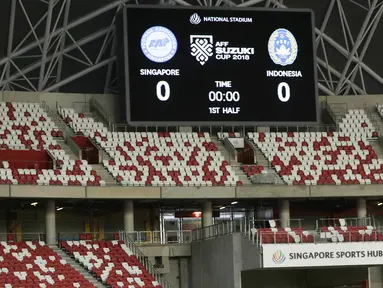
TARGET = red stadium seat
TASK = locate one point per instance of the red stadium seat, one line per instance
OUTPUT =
(34, 264)
(27, 126)
(112, 262)
(314, 158)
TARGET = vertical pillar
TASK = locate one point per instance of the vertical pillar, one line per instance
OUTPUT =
(284, 213)
(207, 214)
(128, 216)
(50, 222)
(361, 211)
(361, 208)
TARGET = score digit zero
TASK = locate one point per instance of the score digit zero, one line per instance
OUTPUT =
(283, 97)
(163, 96)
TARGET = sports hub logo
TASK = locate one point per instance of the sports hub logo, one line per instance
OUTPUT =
(159, 44)
(195, 19)
(278, 257)
(201, 47)
(283, 48)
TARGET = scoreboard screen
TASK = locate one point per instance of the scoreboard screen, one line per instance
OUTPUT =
(186, 66)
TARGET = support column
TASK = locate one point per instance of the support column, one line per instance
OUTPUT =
(128, 216)
(284, 213)
(361, 211)
(50, 222)
(207, 214)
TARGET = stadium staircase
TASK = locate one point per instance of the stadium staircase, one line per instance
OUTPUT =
(105, 175)
(262, 161)
(78, 267)
(67, 149)
(339, 110)
(233, 163)
(144, 261)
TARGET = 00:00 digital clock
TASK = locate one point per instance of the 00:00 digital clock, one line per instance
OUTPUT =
(229, 96)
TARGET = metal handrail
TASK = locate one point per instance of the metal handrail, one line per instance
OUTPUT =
(93, 103)
(230, 149)
(372, 118)
(354, 221)
(144, 260)
(327, 107)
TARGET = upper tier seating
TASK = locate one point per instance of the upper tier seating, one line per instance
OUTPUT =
(79, 123)
(112, 262)
(312, 158)
(251, 170)
(357, 125)
(346, 233)
(158, 159)
(275, 235)
(27, 126)
(320, 158)
(33, 264)
(182, 159)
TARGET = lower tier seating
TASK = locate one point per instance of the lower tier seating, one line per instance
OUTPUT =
(33, 264)
(112, 262)
(275, 234)
(347, 233)
(284, 235)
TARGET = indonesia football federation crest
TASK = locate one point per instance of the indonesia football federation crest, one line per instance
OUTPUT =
(283, 48)
(201, 47)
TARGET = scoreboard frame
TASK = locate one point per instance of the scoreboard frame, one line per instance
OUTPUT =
(213, 123)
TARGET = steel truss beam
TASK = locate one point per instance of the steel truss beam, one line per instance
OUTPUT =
(368, 28)
(57, 43)
(55, 47)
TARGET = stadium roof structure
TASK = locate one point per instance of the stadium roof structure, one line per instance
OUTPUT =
(69, 46)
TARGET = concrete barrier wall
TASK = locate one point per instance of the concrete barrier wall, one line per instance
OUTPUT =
(304, 278)
(241, 192)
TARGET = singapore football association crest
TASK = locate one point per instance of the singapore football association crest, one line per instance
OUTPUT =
(159, 44)
(283, 48)
(201, 47)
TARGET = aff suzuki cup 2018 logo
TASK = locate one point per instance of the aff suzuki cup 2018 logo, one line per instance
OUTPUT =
(278, 257)
(159, 44)
(283, 48)
(195, 19)
(201, 47)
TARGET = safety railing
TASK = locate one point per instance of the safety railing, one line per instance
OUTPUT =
(262, 223)
(72, 145)
(334, 222)
(55, 117)
(230, 149)
(313, 237)
(271, 177)
(139, 237)
(99, 111)
(14, 236)
(144, 260)
(372, 118)
(325, 106)
(220, 229)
